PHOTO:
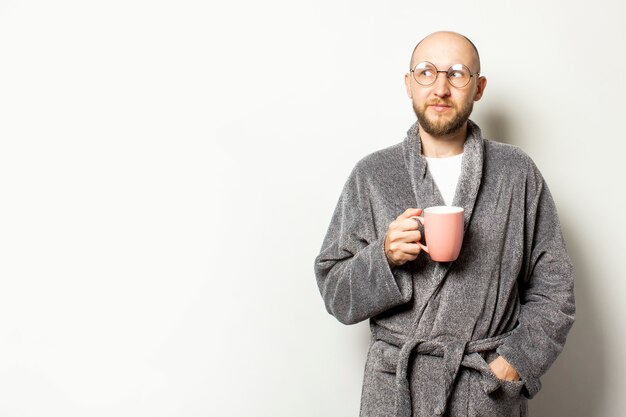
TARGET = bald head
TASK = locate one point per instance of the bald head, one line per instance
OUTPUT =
(439, 44)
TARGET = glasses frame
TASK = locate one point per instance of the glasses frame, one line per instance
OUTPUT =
(447, 72)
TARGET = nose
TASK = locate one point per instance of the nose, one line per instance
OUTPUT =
(441, 87)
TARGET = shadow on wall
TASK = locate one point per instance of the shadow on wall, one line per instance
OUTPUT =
(575, 384)
(494, 126)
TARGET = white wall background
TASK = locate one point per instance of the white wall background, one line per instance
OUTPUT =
(168, 170)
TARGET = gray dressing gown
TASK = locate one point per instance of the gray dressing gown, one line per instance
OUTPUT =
(435, 326)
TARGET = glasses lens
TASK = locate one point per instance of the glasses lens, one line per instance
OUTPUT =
(459, 75)
(425, 73)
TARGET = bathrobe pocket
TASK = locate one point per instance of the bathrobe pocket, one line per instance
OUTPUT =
(379, 387)
(384, 356)
(494, 397)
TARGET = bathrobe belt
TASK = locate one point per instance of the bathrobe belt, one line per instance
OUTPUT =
(455, 353)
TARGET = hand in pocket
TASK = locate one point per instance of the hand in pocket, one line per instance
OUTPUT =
(502, 369)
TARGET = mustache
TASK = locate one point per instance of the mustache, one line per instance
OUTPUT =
(440, 103)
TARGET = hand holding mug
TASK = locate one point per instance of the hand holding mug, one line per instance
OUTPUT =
(443, 232)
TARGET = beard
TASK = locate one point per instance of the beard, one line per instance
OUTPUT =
(443, 126)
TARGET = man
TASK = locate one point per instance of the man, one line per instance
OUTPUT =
(470, 337)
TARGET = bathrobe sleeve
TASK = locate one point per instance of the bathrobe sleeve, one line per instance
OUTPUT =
(352, 272)
(546, 288)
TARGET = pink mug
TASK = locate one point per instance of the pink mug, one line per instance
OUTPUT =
(443, 231)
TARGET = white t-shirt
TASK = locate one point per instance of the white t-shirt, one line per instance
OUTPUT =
(446, 172)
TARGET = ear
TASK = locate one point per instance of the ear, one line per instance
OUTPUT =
(480, 88)
(407, 84)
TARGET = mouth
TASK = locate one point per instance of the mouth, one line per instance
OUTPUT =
(440, 107)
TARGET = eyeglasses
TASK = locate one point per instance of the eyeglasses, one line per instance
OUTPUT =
(425, 73)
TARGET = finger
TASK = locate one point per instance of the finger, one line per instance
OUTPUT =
(408, 224)
(398, 247)
(401, 253)
(411, 236)
(404, 250)
(411, 249)
(397, 237)
(410, 212)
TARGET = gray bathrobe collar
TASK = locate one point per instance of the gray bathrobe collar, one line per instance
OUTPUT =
(426, 192)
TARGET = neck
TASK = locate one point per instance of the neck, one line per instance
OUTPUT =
(443, 146)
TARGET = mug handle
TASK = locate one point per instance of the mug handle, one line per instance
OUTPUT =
(423, 221)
